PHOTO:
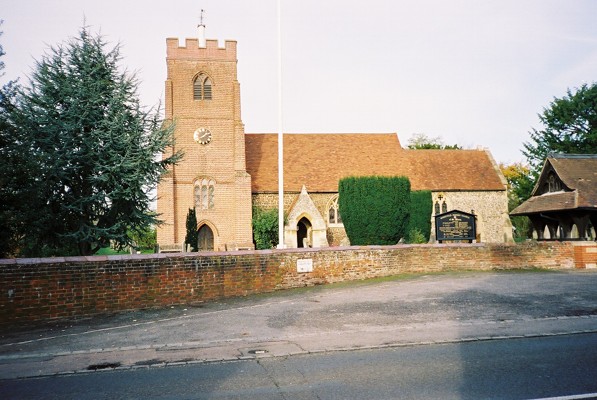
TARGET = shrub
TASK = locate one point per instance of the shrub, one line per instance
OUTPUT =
(419, 222)
(415, 235)
(374, 209)
(265, 228)
(145, 239)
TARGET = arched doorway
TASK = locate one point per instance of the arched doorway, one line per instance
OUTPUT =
(205, 238)
(303, 233)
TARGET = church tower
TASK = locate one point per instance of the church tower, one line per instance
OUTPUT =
(203, 101)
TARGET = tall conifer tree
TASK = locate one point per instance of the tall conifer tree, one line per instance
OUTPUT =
(94, 149)
(192, 236)
(12, 169)
(570, 126)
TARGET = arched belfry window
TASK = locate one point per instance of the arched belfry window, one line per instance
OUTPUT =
(334, 217)
(204, 194)
(202, 87)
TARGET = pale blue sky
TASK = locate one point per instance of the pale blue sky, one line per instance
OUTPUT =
(473, 72)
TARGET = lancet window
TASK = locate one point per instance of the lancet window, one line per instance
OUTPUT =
(202, 87)
(334, 212)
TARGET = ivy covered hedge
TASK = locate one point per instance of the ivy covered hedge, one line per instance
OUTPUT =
(374, 209)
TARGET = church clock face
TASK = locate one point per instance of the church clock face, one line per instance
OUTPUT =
(202, 136)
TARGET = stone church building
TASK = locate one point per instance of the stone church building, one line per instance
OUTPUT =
(225, 171)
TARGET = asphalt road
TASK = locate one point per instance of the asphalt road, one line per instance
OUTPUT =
(415, 311)
(528, 368)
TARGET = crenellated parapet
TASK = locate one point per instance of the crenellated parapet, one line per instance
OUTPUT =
(192, 51)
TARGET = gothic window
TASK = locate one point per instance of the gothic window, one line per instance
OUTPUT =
(334, 212)
(204, 194)
(444, 207)
(436, 207)
(202, 87)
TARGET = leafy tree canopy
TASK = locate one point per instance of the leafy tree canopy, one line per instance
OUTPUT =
(90, 151)
(265, 228)
(570, 126)
(520, 184)
(422, 141)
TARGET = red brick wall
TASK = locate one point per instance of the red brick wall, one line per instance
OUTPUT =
(585, 255)
(55, 288)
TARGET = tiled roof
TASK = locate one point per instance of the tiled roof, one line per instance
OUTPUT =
(578, 172)
(548, 202)
(319, 161)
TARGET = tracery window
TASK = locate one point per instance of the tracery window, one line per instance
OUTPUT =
(204, 194)
(202, 87)
(334, 217)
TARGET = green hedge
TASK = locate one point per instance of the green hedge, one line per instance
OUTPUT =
(419, 224)
(374, 209)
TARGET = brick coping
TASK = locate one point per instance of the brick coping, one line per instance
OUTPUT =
(120, 257)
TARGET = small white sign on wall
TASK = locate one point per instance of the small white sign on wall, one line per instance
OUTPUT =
(304, 265)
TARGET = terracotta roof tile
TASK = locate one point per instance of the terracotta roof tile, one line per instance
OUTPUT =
(319, 161)
(547, 202)
(578, 172)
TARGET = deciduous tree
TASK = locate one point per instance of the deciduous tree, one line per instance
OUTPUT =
(422, 141)
(519, 185)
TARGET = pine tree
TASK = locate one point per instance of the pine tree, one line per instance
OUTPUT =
(93, 148)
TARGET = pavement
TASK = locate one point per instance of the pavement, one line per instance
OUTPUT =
(408, 310)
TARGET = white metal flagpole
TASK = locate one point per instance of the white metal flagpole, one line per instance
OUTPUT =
(280, 138)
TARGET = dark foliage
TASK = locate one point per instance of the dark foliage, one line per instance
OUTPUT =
(192, 237)
(419, 222)
(85, 150)
(570, 126)
(265, 228)
(374, 209)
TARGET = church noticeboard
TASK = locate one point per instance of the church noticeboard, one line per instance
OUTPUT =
(455, 225)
